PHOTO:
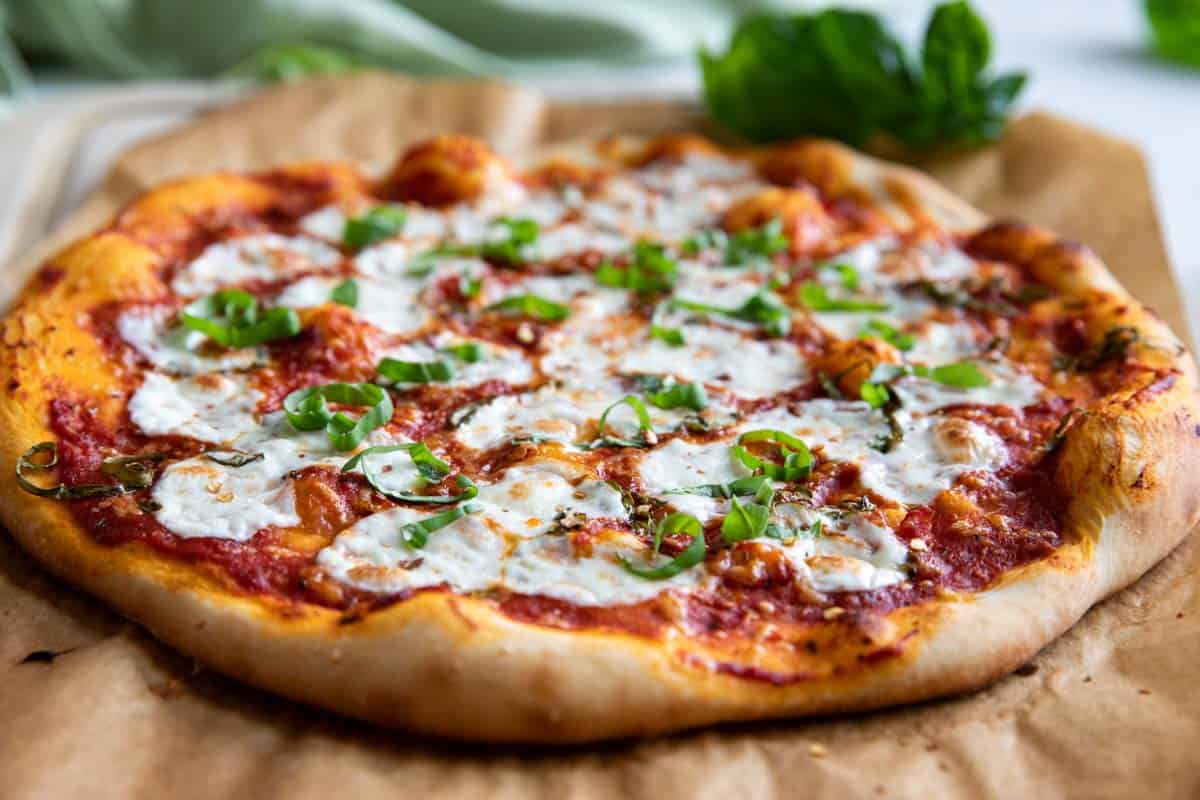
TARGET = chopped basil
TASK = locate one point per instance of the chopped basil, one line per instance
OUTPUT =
(233, 318)
(878, 329)
(762, 309)
(345, 293)
(398, 371)
(813, 531)
(469, 286)
(130, 473)
(308, 410)
(381, 222)
(672, 337)
(232, 458)
(650, 270)
(668, 393)
(744, 521)
(431, 468)
(960, 374)
(756, 243)
(847, 274)
(754, 485)
(797, 458)
(1113, 347)
(816, 297)
(690, 557)
(530, 305)
(876, 395)
(416, 534)
(520, 234)
(710, 239)
(467, 352)
(644, 425)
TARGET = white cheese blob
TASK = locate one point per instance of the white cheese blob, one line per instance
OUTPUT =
(212, 408)
(530, 499)
(747, 367)
(325, 223)
(176, 349)
(1008, 387)
(497, 363)
(260, 256)
(392, 305)
(850, 554)
(680, 464)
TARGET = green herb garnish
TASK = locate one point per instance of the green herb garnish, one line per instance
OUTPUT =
(345, 293)
(762, 309)
(878, 329)
(650, 270)
(416, 534)
(530, 305)
(857, 81)
(669, 393)
(797, 458)
(430, 467)
(129, 474)
(816, 297)
(398, 371)
(690, 557)
(380, 223)
(233, 318)
(308, 410)
(644, 426)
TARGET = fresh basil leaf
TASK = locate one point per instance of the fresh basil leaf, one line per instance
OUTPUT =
(709, 239)
(961, 374)
(816, 297)
(346, 293)
(130, 473)
(744, 521)
(813, 531)
(857, 80)
(693, 555)
(670, 394)
(643, 420)
(233, 318)
(876, 395)
(292, 61)
(847, 275)
(380, 223)
(530, 305)
(878, 329)
(416, 534)
(672, 337)
(308, 410)
(755, 486)
(520, 234)
(797, 458)
(467, 352)
(398, 371)
(431, 468)
(468, 286)
(650, 270)
(1176, 28)
(756, 244)
(761, 308)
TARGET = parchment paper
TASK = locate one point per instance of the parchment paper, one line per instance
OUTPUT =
(1107, 711)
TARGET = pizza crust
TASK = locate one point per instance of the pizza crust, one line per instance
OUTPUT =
(467, 671)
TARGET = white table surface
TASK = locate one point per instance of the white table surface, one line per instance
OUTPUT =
(1088, 61)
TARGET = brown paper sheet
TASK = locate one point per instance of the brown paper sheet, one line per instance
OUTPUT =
(1106, 711)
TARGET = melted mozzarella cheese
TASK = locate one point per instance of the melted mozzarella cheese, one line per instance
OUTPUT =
(212, 408)
(719, 356)
(573, 238)
(914, 471)
(176, 349)
(262, 256)
(390, 305)
(1008, 387)
(851, 553)
(681, 464)
(550, 566)
(325, 223)
(529, 500)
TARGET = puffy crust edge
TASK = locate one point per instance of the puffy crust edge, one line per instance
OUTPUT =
(469, 672)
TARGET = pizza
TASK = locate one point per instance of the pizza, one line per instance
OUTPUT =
(642, 435)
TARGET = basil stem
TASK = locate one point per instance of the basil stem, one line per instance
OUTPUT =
(308, 410)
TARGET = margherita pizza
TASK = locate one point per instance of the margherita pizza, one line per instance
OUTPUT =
(647, 436)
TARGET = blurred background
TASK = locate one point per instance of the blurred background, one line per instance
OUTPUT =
(923, 75)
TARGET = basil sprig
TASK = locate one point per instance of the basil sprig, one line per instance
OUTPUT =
(345, 293)
(416, 534)
(530, 305)
(129, 473)
(742, 487)
(878, 329)
(671, 337)
(308, 410)
(467, 352)
(816, 297)
(650, 270)
(233, 318)
(847, 275)
(381, 222)
(398, 371)
(858, 81)
(668, 393)
(678, 522)
(756, 244)
(430, 467)
(520, 234)
(797, 458)
(644, 426)
(762, 309)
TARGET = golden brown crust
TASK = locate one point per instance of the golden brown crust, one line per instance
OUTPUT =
(455, 666)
